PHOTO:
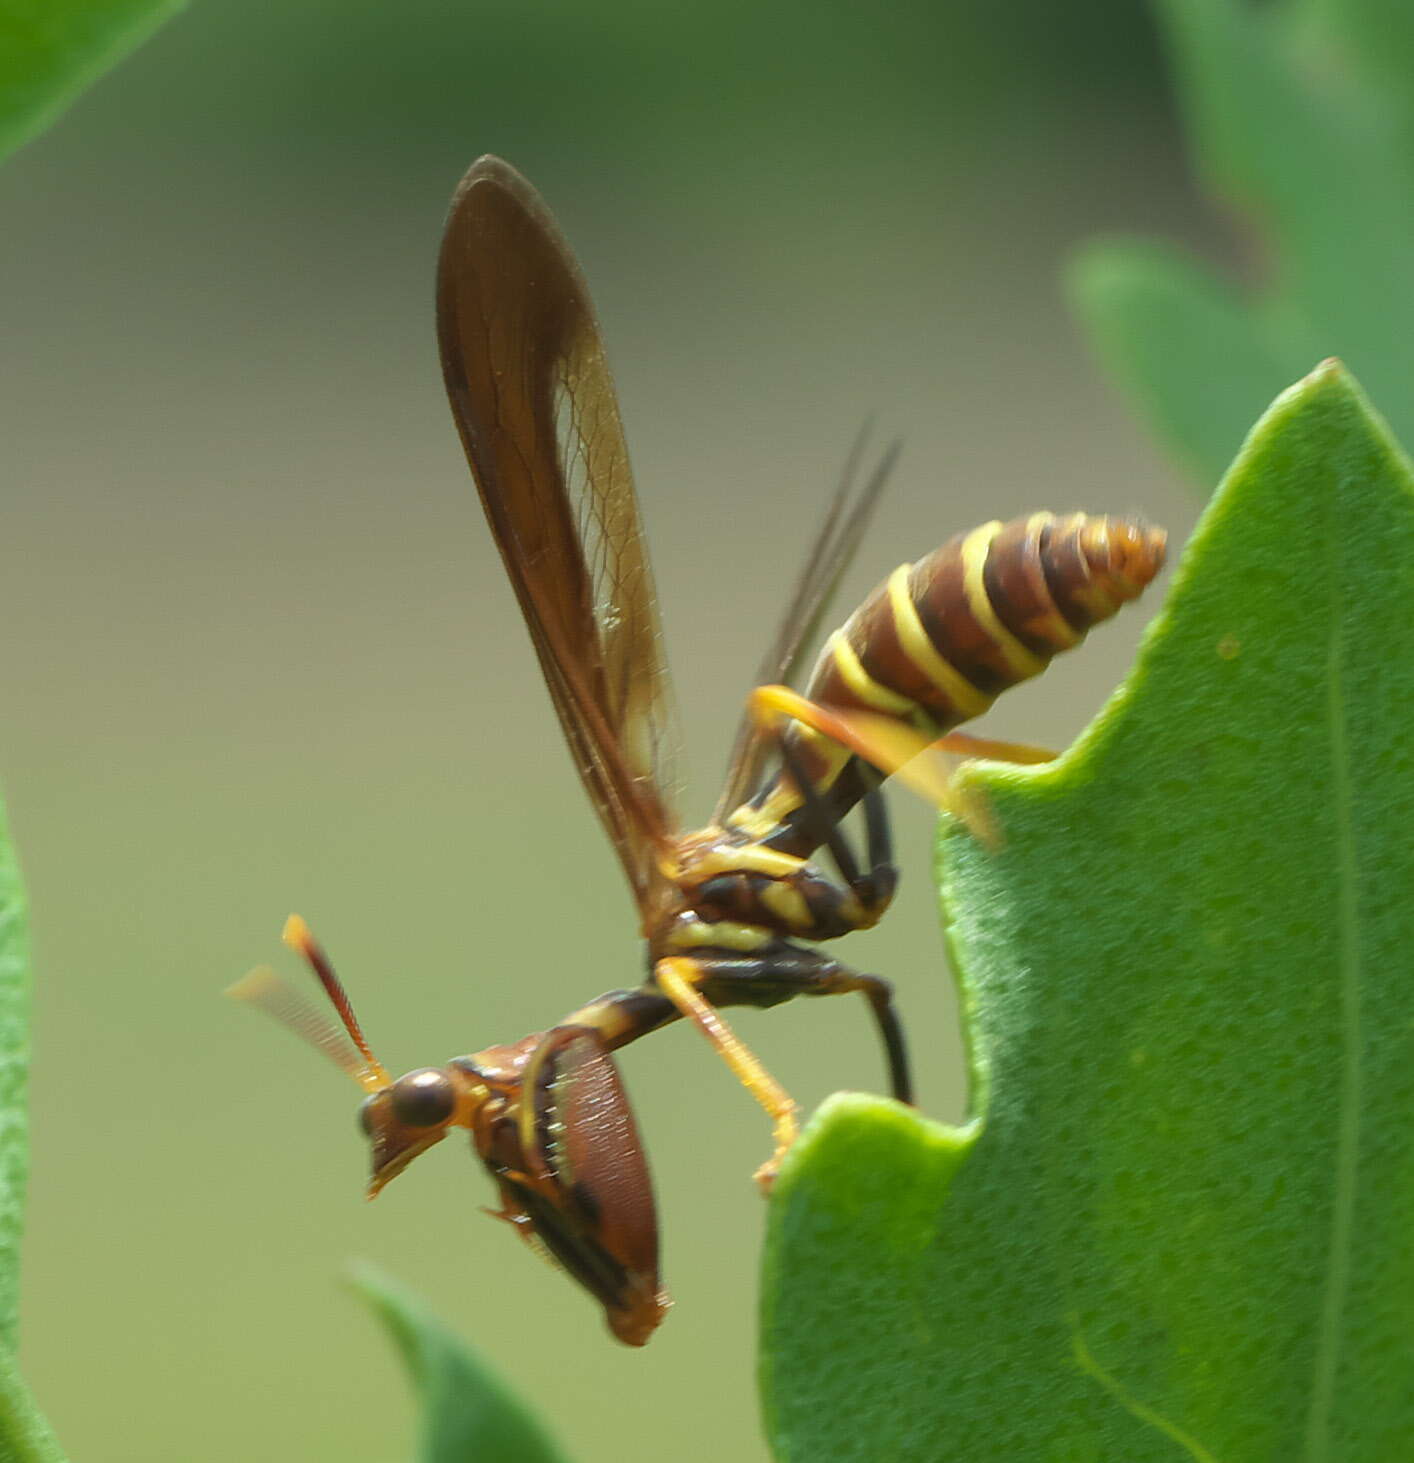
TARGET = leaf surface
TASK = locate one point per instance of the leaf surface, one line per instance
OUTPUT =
(468, 1414)
(14, 1070)
(1298, 114)
(1178, 1226)
(25, 1437)
(50, 50)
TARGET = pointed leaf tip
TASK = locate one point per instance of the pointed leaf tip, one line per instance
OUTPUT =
(52, 51)
(468, 1414)
(1180, 1228)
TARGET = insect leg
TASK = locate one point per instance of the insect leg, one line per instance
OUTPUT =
(880, 995)
(678, 978)
(819, 821)
(801, 972)
(698, 986)
(899, 749)
(875, 889)
(963, 744)
(589, 1198)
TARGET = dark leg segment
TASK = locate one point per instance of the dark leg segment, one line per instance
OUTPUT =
(819, 821)
(792, 971)
(875, 889)
(880, 995)
(681, 980)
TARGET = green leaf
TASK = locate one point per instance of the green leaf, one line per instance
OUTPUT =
(14, 1070)
(24, 1434)
(468, 1415)
(1181, 341)
(1299, 118)
(50, 50)
(1179, 1226)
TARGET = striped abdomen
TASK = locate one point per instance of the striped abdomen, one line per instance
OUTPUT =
(939, 640)
(942, 638)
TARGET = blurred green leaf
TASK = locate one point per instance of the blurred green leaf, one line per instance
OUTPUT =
(468, 1415)
(1179, 1225)
(14, 1070)
(1183, 341)
(1299, 118)
(24, 1435)
(50, 50)
(1377, 36)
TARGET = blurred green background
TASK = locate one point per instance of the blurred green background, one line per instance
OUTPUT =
(261, 656)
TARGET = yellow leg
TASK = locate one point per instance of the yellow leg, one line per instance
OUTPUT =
(969, 804)
(675, 977)
(964, 744)
(895, 747)
(898, 749)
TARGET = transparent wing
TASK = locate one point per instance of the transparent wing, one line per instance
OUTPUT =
(535, 405)
(826, 560)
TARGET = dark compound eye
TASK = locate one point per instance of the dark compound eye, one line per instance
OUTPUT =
(366, 1120)
(424, 1098)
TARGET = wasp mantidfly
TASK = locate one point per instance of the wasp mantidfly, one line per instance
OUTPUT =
(723, 910)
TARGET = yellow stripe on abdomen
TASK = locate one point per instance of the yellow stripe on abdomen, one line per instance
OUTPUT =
(924, 655)
(1019, 660)
(861, 683)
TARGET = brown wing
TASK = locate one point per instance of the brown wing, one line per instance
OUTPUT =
(825, 563)
(535, 405)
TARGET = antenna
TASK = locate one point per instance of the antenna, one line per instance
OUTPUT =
(345, 1046)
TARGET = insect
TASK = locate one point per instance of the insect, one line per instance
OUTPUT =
(727, 912)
